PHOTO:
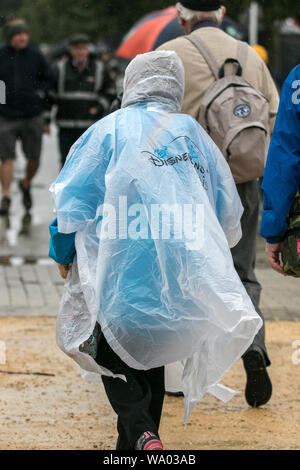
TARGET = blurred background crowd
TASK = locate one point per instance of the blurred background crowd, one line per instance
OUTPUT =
(108, 24)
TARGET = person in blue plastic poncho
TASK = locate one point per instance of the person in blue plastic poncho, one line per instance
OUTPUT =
(147, 211)
(282, 175)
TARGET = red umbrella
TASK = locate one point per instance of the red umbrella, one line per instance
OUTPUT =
(161, 26)
(150, 32)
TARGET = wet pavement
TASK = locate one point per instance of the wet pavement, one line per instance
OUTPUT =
(29, 282)
(34, 244)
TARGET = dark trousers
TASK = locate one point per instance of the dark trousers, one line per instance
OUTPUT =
(244, 253)
(66, 139)
(137, 402)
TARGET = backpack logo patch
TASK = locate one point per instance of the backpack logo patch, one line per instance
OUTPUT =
(242, 111)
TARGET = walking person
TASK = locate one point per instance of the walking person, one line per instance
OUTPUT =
(140, 291)
(201, 20)
(27, 78)
(82, 91)
(282, 176)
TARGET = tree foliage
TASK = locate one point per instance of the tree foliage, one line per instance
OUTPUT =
(54, 20)
(9, 7)
(272, 9)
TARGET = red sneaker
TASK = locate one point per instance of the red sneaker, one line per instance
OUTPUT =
(148, 441)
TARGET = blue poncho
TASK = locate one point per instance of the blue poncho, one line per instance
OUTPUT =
(155, 209)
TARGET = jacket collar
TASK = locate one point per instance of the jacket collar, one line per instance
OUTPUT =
(204, 24)
(16, 51)
(82, 67)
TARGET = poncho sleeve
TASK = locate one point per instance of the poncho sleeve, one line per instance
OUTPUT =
(79, 189)
(62, 245)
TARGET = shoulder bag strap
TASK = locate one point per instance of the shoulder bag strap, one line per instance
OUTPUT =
(206, 54)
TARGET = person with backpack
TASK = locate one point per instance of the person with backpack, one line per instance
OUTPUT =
(230, 92)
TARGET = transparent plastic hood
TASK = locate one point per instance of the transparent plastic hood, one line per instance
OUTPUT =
(156, 76)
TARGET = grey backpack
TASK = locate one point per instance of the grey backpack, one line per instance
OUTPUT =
(235, 115)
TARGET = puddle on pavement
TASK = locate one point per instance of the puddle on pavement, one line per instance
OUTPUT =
(17, 261)
(11, 237)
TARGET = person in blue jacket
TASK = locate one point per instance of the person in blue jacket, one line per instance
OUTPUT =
(282, 174)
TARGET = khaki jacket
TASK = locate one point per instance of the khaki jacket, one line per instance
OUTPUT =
(198, 76)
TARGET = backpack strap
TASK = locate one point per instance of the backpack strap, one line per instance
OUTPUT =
(239, 70)
(206, 54)
(242, 53)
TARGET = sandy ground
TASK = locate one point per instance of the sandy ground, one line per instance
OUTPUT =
(64, 412)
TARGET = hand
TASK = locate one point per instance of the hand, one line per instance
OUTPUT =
(274, 255)
(47, 129)
(64, 269)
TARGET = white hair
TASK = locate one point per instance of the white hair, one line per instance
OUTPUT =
(192, 15)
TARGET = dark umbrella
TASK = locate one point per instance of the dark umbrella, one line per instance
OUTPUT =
(161, 26)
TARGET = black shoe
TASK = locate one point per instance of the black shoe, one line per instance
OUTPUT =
(26, 224)
(259, 387)
(27, 200)
(5, 205)
(174, 394)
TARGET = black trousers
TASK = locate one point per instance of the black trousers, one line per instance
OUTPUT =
(66, 139)
(138, 402)
(244, 253)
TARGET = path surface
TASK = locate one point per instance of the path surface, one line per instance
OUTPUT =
(64, 412)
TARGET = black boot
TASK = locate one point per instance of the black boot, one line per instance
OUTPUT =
(27, 200)
(259, 387)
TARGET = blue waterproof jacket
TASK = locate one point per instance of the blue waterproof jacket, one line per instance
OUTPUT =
(62, 245)
(282, 174)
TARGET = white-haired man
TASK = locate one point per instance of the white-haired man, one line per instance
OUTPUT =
(202, 19)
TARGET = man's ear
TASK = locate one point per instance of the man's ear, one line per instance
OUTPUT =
(224, 10)
(181, 21)
(185, 24)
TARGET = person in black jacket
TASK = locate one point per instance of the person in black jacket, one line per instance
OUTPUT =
(27, 78)
(82, 91)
